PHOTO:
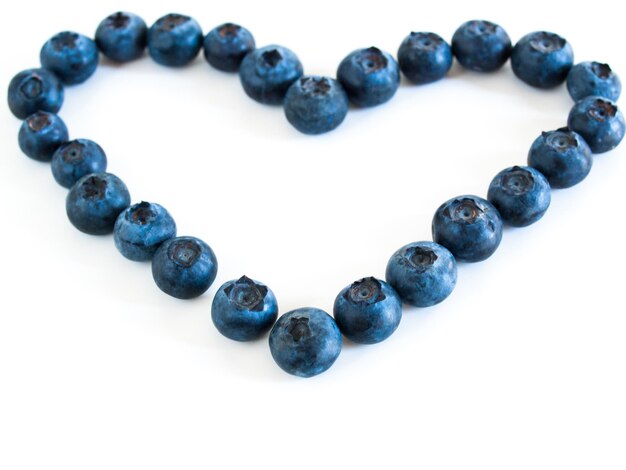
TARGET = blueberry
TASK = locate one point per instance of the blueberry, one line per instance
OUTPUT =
(369, 76)
(424, 57)
(521, 195)
(315, 105)
(422, 273)
(469, 226)
(562, 156)
(174, 40)
(267, 73)
(481, 46)
(141, 228)
(71, 56)
(75, 159)
(368, 311)
(184, 267)
(542, 59)
(122, 36)
(599, 121)
(244, 309)
(305, 342)
(95, 201)
(226, 45)
(41, 134)
(35, 90)
(593, 79)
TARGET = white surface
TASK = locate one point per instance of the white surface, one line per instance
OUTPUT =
(522, 367)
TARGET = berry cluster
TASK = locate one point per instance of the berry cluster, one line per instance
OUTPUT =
(307, 341)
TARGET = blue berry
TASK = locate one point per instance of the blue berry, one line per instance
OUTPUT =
(184, 267)
(75, 159)
(267, 73)
(542, 59)
(95, 201)
(521, 195)
(369, 76)
(368, 311)
(315, 105)
(305, 342)
(244, 309)
(562, 156)
(481, 46)
(71, 56)
(35, 90)
(599, 121)
(141, 228)
(226, 45)
(593, 79)
(469, 226)
(122, 36)
(41, 134)
(174, 40)
(424, 57)
(422, 273)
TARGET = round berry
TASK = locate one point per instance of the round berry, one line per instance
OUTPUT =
(424, 57)
(71, 56)
(481, 46)
(593, 79)
(599, 121)
(75, 159)
(41, 134)
(174, 40)
(122, 36)
(35, 90)
(226, 45)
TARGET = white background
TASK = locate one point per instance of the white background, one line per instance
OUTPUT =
(522, 367)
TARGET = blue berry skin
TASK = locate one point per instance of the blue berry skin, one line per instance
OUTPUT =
(174, 40)
(599, 121)
(95, 201)
(424, 57)
(244, 309)
(369, 76)
(122, 36)
(267, 73)
(542, 59)
(184, 267)
(521, 195)
(226, 45)
(141, 228)
(562, 156)
(593, 79)
(422, 273)
(75, 159)
(481, 46)
(305, 342)
(368, 311)
(34, 90)
(469, 226)
(315, 105)
(41, 134)
(71, 56)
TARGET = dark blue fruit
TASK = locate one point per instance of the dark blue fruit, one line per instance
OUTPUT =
(41, 134)
(184, 267)
(95, 201)
(521, 195)
(481, 46)
(305, 342)
(267, 73)
(368, 311)
(122, 36)
(75, 159)
(244, 309)
(174, 40)
(422, 273)
(315, 105)
(593, 79)
(542, 59)
(369, 76)
(226, 45)
(71, 56)
(141, 228)
(469, 226)
(35, 90)
(599, 121)
(424, 57)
